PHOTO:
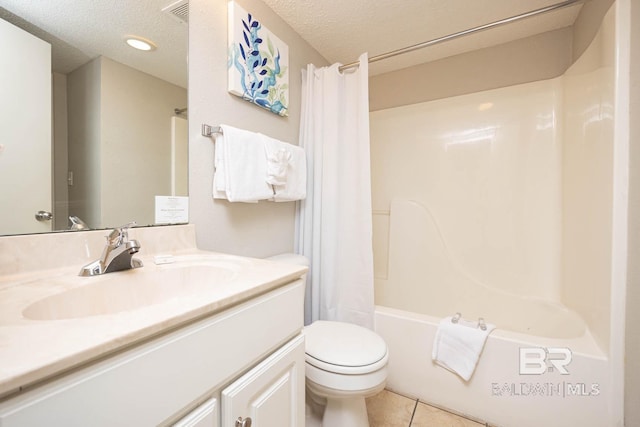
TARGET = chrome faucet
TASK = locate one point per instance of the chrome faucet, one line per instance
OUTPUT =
(117, 254)
(77, 224)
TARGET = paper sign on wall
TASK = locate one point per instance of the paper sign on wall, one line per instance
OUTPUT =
(172, 210)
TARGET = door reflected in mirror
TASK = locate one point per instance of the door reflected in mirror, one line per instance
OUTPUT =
(91, 128)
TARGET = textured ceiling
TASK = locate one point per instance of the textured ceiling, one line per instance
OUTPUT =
(343, 29)
(80, 30)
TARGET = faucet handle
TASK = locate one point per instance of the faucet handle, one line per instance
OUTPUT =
(120, 234)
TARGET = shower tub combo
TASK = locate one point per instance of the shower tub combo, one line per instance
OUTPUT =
(500, 205)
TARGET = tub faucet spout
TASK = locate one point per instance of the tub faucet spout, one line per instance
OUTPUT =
(117, 254)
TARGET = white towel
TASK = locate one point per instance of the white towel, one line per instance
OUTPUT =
(295, 187)
(241, 166)
(278, 156)
(219, 181)
(457, 346)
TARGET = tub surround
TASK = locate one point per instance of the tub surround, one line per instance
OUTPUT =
(514, 217)
(38, 266)
(510, 182)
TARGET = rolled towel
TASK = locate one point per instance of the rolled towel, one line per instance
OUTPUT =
(295, 188)
(457, 346)
(278, 157)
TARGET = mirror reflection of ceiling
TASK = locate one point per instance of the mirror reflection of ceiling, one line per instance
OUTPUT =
(80, 31)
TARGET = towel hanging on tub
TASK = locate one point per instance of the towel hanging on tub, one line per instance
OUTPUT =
(459, 343)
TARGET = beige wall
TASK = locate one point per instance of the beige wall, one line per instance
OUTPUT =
(632, 368)
(533, 58)
(587, 23)
(60, 153)
(136, 141)
(83, 100)
(529, 59)
(261, 229)
(119, 120)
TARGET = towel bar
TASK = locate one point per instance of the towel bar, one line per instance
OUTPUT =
(209, 131)
(481, 323)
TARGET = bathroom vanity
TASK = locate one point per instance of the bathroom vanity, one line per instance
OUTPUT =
(192, 339)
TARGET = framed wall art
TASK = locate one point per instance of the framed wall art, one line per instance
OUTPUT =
(258, 62)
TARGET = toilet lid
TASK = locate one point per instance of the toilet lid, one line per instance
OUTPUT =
(343, 345)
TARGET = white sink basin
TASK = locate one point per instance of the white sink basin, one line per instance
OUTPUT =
(133, 289)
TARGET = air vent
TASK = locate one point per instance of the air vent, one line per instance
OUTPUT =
(178, 10)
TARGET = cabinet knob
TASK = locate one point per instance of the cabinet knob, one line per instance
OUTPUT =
(243, 422)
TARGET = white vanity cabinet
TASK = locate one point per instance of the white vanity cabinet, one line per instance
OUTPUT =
(245, 361)
(205, 415)
(270, 394)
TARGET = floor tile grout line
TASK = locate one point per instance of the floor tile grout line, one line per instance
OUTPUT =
(417, 401)
(457, 414)
(415, 408)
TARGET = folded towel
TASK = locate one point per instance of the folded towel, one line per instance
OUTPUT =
(295, 187)
(457, 346)
(241, 166)
(219, 181)
(278, 157)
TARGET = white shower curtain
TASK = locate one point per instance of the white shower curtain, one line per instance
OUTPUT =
(334, 224)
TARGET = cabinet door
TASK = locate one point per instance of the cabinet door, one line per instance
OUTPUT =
(205, 415)
(272, 393)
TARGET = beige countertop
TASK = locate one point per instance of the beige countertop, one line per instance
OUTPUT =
(32, 350)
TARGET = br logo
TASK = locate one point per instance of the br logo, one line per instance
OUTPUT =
(538, 360)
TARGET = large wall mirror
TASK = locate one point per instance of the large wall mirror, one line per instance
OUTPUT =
(92, 131)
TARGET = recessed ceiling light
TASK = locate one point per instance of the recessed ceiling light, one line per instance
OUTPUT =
(140, 43)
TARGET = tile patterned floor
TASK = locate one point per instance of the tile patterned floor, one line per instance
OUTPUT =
(388, 409)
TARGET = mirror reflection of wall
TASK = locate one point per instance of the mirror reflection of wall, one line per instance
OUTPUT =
(118, 115)
(119, 142)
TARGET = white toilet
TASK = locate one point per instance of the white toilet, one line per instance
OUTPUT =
(345, 363)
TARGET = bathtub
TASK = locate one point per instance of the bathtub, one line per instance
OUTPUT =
(500, 391)
(497, 393)
(501, 205)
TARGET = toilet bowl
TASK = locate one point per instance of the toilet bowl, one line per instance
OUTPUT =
(345, 364)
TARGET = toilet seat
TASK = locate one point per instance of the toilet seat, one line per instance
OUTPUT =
(344, 348)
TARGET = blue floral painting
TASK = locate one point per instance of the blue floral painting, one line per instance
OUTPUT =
(258, 62)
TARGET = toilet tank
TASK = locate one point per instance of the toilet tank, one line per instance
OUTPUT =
(291, 258)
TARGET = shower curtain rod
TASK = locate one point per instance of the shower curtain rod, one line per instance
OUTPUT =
(465, 33)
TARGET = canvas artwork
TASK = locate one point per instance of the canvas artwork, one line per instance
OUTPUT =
(258, 62)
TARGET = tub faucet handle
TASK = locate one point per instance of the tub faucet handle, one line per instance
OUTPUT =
(456, 318)
(481, 324)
